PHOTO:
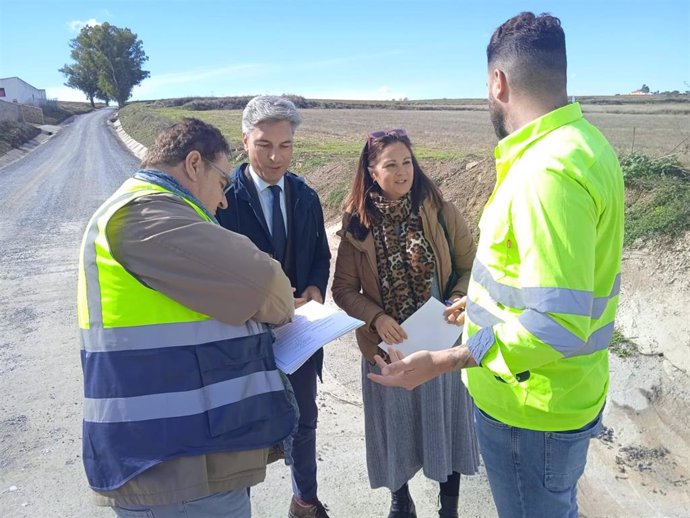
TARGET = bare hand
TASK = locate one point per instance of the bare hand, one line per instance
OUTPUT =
(455, 314)
(312, 293)
(419, 367)
(404, 372)
(389, 330)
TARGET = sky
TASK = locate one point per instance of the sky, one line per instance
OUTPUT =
(346, 49)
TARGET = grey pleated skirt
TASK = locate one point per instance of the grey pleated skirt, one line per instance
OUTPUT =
(428, 428)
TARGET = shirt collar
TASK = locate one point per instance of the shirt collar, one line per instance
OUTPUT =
(510, 148)
(261, 184)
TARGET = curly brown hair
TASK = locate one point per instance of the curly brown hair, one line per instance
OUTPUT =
(173, 144)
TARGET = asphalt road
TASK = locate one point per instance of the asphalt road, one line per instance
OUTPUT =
(46, 199)
(640, 468)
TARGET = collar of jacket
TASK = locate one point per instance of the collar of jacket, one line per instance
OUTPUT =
(511, 148)
(296, 184)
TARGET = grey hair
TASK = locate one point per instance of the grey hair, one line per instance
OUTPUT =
(270, 108)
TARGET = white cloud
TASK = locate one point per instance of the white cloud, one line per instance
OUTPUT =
(383, 93)
(343, 60)
(157, 85)
(175, 78)
(64, 93)
(386, 92)
(78, 25)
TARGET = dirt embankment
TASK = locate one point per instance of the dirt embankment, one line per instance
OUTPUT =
(641, 468)
(640, 465)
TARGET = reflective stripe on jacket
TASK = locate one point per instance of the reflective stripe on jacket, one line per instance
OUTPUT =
(545, 282)
(160, 380)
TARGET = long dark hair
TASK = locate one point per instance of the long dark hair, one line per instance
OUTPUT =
(359, 204)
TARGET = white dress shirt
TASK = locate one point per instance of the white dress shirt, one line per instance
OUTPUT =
(266, 198)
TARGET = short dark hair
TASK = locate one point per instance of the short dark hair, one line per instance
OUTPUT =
(531, 51)
(359, 204)
(174, 143)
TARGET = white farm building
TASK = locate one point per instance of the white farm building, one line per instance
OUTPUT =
(13, 89)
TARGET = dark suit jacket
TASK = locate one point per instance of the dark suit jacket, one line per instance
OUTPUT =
(307, 258)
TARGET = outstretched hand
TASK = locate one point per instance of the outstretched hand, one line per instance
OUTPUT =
(419, 367)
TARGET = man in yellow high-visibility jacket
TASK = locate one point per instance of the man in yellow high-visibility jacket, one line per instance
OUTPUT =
(545, 281)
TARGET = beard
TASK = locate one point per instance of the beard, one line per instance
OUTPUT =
(498, 119)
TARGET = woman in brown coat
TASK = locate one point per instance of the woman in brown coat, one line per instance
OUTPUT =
(394, 255)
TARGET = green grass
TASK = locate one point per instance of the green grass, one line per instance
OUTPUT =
(657, 196)
(622, 346)
(333, 200)
(143, 120)
(13, 134)
(657, 187)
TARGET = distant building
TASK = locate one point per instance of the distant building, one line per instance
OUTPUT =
(15, 90)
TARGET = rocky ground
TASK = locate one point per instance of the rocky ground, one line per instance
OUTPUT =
(638, 468)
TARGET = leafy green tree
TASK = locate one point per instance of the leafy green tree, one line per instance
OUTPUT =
(108, 62)
(84, 73)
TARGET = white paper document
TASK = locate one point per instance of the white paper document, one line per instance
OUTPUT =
(313, 327)
(427, 330)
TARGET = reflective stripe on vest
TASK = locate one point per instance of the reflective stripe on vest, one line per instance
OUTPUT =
(178, 404)
(178, 382)
(544, 300)
(97, 339)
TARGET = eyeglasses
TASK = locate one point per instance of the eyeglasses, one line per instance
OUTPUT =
(400, 132)
(225, 176)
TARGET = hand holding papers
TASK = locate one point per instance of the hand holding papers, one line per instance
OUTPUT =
(314, 326)
(427, 330)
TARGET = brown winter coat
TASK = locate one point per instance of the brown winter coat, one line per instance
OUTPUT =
(356, 286)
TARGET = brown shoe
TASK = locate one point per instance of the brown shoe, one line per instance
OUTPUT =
(310, 510)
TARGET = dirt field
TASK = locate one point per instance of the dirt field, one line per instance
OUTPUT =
(640, 465)
(639, 468)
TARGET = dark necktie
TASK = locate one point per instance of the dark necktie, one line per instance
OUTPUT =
(279, 237)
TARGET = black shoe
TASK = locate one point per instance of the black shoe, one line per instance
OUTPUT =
(449, 506)
(402, 505)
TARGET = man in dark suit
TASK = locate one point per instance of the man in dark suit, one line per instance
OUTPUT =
(282, 215)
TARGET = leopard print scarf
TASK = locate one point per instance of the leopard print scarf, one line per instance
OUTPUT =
(404, 257)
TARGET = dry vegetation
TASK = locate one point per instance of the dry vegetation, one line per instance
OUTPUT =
(453, 139)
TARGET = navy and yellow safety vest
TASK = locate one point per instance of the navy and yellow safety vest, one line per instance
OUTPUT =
(160, 380)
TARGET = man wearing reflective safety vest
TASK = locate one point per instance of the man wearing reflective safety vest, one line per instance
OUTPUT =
(182, 395)
(545, 282)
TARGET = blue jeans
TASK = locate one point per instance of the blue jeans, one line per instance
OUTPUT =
(229, 504)
(303, 469)
(533, 474)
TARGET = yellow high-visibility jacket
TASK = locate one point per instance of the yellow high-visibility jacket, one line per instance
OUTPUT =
(546, 278)
(162, 381)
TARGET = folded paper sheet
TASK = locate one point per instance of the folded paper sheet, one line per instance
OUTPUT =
(427, 330)
(314, 326)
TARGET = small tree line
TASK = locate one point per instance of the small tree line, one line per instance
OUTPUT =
(107, 63)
